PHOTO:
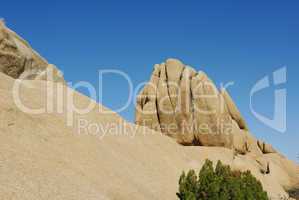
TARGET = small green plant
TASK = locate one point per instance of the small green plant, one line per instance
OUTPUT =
(220, 183)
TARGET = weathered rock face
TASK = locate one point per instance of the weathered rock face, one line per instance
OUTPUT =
(266, 148)
(18, 60)
(186, 105)
(43, 158)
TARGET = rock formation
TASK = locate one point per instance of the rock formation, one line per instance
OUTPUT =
(43, 158)
(19, 60)
(186, 105)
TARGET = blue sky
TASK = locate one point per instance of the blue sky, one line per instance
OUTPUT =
(240, 41)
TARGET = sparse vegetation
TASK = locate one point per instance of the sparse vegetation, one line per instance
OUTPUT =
(220, 183)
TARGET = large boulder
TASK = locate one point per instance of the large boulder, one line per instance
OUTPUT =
(186, 105)
(19, 61)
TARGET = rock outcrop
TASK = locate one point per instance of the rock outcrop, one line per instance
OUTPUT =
(186, 105)
(19, 60)
(41, 157)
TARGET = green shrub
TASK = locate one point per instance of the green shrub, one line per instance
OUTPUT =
(220, 183)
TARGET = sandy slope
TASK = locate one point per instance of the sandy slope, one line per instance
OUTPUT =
(42, 158)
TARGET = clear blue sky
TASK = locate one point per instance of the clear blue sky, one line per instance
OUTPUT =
(240, 41)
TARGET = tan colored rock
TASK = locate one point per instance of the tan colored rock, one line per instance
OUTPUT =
(240, 140)
(43, 158)
(200, 115)
(233, 110)
(19, 60)
(189, 108)
(266, 148)
(173, 72)
(264, 165)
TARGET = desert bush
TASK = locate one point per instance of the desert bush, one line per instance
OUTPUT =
(220, 183)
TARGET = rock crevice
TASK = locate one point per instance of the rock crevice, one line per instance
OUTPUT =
(186, 105)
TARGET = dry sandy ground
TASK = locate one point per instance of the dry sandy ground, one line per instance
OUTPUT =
(41, 158)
